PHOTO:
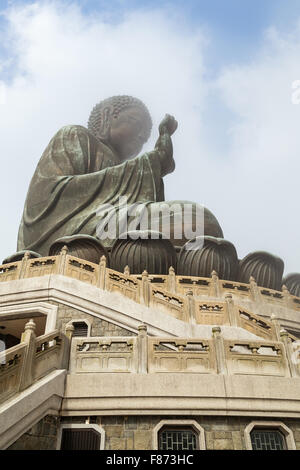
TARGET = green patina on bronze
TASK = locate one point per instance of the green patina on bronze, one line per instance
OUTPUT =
(83, 169)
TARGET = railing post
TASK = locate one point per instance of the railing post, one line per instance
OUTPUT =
(287, 296)
(254, 291)
(145, 294)
(102, 273)
(191, 306)
(62, 260)
(289, 353)
(220, 350)
(126, 271)
(24, 263)
(28, 337)
(232, 311)
(171, 281)
(276, 326)
(215, 284)
(142, 345)
(69, 330)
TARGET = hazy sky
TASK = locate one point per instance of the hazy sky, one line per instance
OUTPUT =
(225, 70)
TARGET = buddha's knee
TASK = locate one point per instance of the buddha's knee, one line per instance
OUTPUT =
(181, 221)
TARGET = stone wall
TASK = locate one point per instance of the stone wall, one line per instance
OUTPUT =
(98, 327)
(221, 433)
(135, 432)
(42, 436)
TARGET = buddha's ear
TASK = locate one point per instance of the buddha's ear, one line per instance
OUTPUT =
(106, 121)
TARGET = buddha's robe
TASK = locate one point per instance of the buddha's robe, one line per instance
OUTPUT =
(76, 175)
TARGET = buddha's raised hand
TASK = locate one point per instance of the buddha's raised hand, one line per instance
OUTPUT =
(163, 147)
(168, 125)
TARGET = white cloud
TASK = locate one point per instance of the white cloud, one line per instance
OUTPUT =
(265, 147)
(65, 62)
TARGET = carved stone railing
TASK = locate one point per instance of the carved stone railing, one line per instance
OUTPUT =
(256, 358)
(10, 272)
(99, 354)
(31, 360)
(48, 354)
(254, 324)
(123, 284)
(172, 304)
(11, 365)
(211, 313)
(107, 278)
(181, 355)
(179, 296)
(144, 354)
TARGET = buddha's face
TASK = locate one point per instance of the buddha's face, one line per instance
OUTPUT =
(128, 132)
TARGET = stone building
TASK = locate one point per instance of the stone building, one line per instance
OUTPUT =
(100, 359)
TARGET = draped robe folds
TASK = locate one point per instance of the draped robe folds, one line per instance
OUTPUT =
(77, 175)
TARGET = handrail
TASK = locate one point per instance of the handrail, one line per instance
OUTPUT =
(33, 358)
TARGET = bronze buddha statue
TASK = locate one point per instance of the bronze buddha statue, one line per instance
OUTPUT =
(85, 170)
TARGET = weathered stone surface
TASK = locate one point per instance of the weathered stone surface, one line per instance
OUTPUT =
(114, 431)
(209, 439)
(98, 327)
(116, 443)
(297, 435)
(131, 422)
(142, 440)
(222, 435)
(129, 443)
(223, 444)
(237, 440)
(42, 436)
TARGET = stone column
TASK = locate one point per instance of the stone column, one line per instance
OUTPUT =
(69, 330)
(191, 306)
(62, 260)
(142, 346)
(171, 281)
(215, 285)
(220, 350)
(102, 273)
(289, 353)
(287, 296)
(145, 294)
(24, 264)
(232, 311)
(254, 291)
(126, 271)
(276, 326)
(28, 337)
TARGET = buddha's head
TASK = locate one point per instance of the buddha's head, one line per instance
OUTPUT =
(123, 122)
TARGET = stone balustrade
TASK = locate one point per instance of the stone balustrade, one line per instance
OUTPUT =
(169, 355)
(256, 358)
(104, 354)
(109, 279)
(11, 365)
(32, 359)
(145, 354)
